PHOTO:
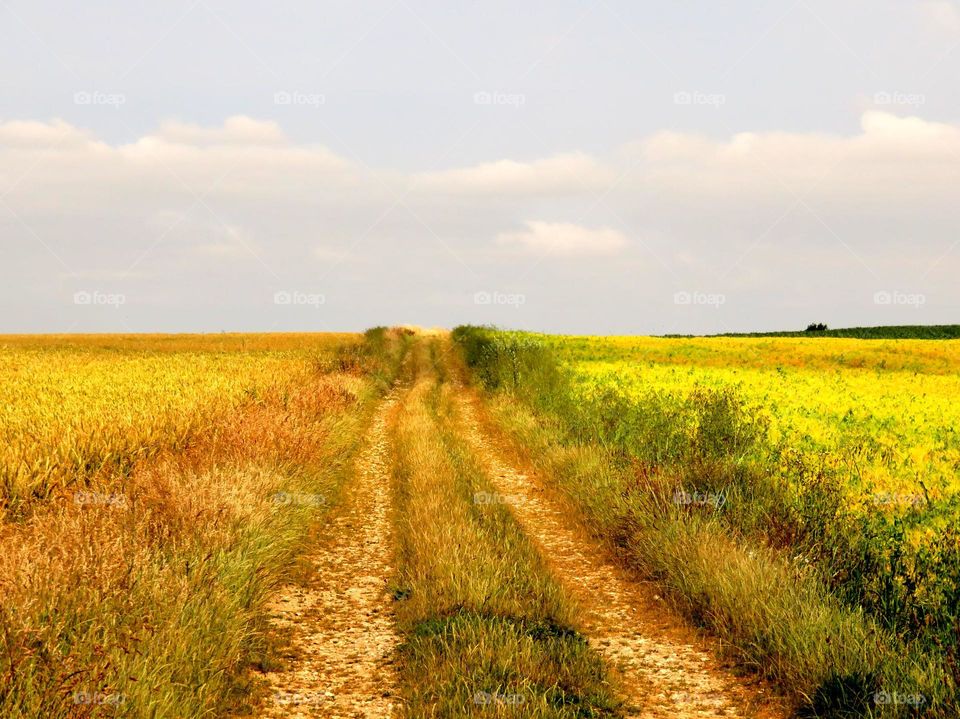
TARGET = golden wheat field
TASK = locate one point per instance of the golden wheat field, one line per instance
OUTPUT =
(78, 408)
(154, 489)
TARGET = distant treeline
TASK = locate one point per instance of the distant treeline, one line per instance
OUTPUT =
(893, 332)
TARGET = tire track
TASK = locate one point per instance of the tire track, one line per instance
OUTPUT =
(341, 622)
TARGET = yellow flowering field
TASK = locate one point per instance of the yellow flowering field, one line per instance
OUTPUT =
(886, 413)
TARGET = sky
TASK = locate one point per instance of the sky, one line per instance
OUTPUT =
(595, 167)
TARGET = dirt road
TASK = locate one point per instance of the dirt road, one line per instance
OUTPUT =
(342, 629)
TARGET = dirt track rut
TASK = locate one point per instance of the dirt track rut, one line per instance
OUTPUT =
(340, 622)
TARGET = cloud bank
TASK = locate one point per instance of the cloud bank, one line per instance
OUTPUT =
(203, 224)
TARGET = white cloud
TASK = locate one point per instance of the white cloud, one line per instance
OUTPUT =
(241, 158)
(35, 135)
(892, 157)
(236, 130)
(568, 173)
(564, 239)
(940, 15)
